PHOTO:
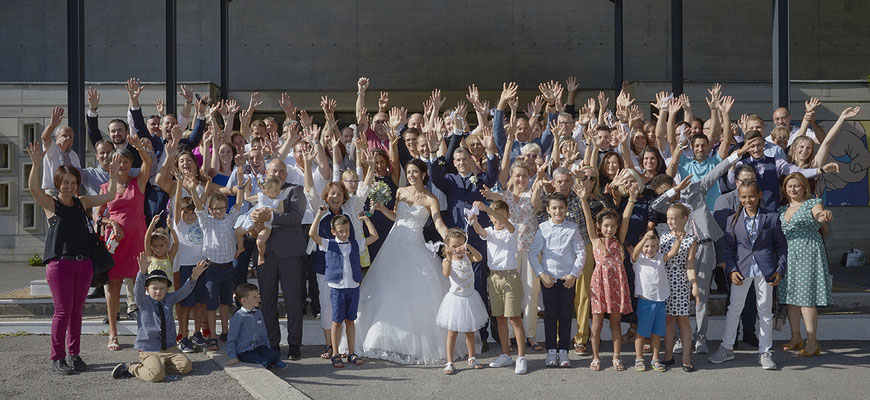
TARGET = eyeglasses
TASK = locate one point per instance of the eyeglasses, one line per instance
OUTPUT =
(217, 208)
(584, 177)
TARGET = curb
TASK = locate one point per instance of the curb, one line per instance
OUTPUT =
(259, 382)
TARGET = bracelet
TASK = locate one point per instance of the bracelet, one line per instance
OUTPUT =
(630, 199)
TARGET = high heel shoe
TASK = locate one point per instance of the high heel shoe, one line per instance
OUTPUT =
(789, 346)
(804, 353)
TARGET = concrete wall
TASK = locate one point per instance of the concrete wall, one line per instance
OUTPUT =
(402, 45)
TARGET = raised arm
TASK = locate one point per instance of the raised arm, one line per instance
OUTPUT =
(99, 200)
(825, 147)
(713, 102)
(48, 132)
(633, 192)
(727, 134)
(509, 91)
(43, 199)
(312, 231)
(148, 233)
(818, 131)
(362, 84)
(504, 171)
(587, 212)
(373, 233)
(93, 127)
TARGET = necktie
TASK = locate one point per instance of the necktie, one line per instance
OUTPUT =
(162, 315)
(66, 159)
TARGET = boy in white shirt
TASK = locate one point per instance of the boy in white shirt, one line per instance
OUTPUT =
(505, 287)
(652, 289)
(562, 253)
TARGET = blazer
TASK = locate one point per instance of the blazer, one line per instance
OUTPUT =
(288, 238)
(769, 249)
(695, 195)
(462, 192)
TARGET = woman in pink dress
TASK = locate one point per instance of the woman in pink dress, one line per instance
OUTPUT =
(126, 218)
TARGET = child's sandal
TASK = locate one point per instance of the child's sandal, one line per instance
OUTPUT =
(534, 345)
(448, 369)
(658, 366)
(327, 353)
(639, 366)
(354, 359)
(212, 344)
(113, 344)
(595, 365)
(617, 364)
(336, 362)
(472, 362)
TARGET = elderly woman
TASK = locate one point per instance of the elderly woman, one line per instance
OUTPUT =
(125, 220)
(67, 252)
(806, 283)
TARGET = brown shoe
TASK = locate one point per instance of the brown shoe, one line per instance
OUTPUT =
(580, 349)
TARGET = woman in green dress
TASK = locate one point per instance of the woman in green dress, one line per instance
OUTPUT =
(807, 283)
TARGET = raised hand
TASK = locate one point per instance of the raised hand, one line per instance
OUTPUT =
(509, 91)
(134, 89)
(115, 165)
(35, 151)
(661, 101)
(200, 267)
(812, 103)
(684, 102)
(255, 101)
(395, 119)
(437, 100)
(715, 97)
(362, 84)
(383, 101)
(160, 104)
(571, 84)
(94, 99)
(726, 104)
(832, 167)
(362, 117)
(603, 100)
(187, 93)
(850, 112)
(683, 184)
(287, 105)
(473, 95)
(232, 106)
(143, 262)
(487, 140)
(56, 117)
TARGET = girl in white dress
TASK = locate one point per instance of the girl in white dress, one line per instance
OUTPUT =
(462, 309)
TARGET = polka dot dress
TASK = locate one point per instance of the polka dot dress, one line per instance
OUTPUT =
(681, 290)
(806, 282)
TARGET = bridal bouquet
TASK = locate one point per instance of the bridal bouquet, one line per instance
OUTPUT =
(380, 193)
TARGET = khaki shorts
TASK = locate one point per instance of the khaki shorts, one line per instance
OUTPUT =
(505, 293)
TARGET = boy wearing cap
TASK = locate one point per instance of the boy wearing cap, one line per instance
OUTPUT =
(155, 338)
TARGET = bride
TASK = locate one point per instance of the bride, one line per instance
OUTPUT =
(403, 289)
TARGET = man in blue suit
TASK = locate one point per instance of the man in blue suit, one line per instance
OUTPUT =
(462, 189)
(755, 255)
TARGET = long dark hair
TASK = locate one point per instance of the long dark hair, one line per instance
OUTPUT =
(424, 169)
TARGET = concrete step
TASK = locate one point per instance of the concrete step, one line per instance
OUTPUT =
(39, 287)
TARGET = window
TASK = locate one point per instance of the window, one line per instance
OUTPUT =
(5, 156)
(5, 195)
(28, 215)
(25, 175)
(28, 134)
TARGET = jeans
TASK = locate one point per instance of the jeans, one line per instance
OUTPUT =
(69, 281)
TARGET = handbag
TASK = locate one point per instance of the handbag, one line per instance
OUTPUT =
(780, 311)
(101, 259)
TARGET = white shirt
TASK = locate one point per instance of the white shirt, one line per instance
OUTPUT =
(189, 243)
(53, 159)
(501, 249)
(347, 281)
(651, 280)
(560, 247)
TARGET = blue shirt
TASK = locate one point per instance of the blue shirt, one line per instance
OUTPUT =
(247, 332)
(148, 333)
(690, 166)
(752, 230)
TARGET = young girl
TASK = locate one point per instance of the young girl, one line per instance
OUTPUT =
(652, 289)
(269, 198)
(462, 309)
(681, 278)
(609, 286)
(159, 250)
(185, 225)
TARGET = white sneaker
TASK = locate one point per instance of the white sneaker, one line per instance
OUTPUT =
(564, 362)
(551, 358)
(503, 360)
(678, 347)
(521, 367)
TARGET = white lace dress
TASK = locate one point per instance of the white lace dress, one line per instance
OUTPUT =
(400, 297)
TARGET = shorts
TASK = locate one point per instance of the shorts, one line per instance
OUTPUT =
(650, 317)
(505, 293)
(184, 273)
(345, 303)
(218, 285)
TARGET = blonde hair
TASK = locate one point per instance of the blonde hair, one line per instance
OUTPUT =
(682, 209)
(802, 180)
(272, 183)
(780, 132)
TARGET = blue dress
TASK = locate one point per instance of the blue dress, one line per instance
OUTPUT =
(379, 220)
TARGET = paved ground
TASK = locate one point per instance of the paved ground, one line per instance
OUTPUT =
(25, 374)
(18, 275)
(840, 373)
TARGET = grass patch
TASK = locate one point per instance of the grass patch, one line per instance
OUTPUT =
(14, 334)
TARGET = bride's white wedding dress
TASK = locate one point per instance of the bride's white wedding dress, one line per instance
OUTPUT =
(400, 296)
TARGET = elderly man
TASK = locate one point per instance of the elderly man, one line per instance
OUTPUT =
(782, 118)
(58, 150)
(285, 253)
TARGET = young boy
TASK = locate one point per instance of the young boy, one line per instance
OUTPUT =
(218, 248)
(157, 354)
(505, 288)
(343, 275)
(562, 253)
(652, 289)
(247, 340)
(186, 225)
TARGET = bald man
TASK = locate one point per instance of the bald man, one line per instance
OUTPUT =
(285, 253)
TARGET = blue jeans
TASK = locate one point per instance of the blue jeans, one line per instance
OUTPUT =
(263, 355)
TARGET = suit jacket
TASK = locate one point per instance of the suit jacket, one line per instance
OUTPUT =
(769, 249)
(726, 205)
(462, 192)
(288, 238)
(695, 195)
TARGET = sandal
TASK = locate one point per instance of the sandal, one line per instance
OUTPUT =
(472, 362)
(804, 353)
(580, 349)
(793, 346)
(336, 362)
(212, 344)
(327, 353)
(448, 369)
(658, 366)
(595, 365)
(354, 359)
(113, 344)
(534, 345)
(639, 366)
(617, 364)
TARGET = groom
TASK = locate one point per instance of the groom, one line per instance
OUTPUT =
(462, 189)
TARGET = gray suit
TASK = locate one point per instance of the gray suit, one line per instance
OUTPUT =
(695, 196)
(285, 252)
